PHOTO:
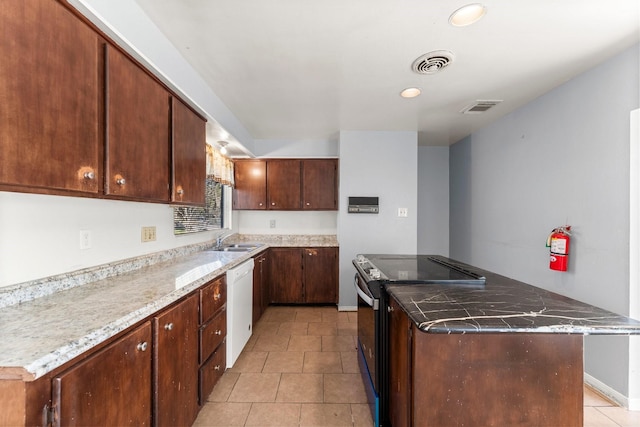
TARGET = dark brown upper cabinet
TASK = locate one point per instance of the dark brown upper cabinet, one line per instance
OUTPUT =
(320, 184)
(283, 184)
(188, 155)
(250, 191)
(50, 100)
(137, 139)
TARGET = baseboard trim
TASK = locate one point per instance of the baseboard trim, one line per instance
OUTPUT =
(614, 395)
(347, 307)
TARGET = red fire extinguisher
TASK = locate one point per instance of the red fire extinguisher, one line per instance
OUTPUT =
(558, 244)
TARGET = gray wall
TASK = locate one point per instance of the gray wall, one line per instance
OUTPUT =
(383, 164)
(561, 159)
(433, 200)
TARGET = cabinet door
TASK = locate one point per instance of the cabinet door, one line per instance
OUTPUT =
(176, 364)
(112, 387)
(188, 155)
(283, 184)
(399, 366)
(260, 286)
(285, 278)
(250, 191)
(137, 143)
(50, 99)
(320, 184)
(320, 275)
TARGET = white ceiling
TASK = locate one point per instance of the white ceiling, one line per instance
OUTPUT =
(306, 69)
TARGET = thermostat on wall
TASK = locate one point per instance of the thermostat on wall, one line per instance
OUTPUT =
(363, 205)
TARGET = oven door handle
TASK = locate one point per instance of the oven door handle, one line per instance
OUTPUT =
(361, 293)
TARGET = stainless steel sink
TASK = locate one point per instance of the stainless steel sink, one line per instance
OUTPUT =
(237, 247)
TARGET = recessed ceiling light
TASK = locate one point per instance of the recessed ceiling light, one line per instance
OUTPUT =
(410, 92)
(467, 15)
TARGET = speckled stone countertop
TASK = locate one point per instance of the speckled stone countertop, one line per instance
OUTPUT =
(504, 305)
(48, 322)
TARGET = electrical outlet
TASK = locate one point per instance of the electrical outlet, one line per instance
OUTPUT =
(403, 212)
(85, 239)
(272, 223)
(148, 234)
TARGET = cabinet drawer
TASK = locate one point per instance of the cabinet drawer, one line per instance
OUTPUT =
(212, 297)
(212, 334)
(211, 372)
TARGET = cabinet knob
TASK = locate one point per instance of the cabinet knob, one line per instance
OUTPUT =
(168, 326)
(142, 346)
(273, 203)
(308, 204)
(89, 175)
(180, 191)
(121, 181)
(217, 296)
(218, 332)
(260, 204)
(217, 367)
(389, 309)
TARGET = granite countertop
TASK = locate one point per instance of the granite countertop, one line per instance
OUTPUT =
(48, 322)
(504, 305)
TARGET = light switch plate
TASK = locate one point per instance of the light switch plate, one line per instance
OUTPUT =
(85, 239)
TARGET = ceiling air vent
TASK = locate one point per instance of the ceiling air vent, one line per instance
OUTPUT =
(480, 106)
(432, 62)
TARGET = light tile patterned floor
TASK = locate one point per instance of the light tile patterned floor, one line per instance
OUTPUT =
(300, 369)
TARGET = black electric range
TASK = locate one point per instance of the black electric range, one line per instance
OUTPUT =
(373, 272)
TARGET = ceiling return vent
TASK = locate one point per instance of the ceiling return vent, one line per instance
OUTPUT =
(432, 62)
(479, 107)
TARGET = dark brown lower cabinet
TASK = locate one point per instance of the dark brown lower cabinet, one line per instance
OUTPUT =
(176, 364)
(483, 379)
(303, 275)
(260, 285)
(111, 387)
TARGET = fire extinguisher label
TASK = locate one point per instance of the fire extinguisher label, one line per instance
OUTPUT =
(559, 246)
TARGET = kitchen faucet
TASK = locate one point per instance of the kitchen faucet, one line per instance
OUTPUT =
(221, 238)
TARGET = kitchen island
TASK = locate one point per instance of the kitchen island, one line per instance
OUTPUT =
(506, 353)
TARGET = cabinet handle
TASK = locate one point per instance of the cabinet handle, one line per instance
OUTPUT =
(89, 175)
(168, 326)
(218, 332)
(217, 367)
(180, 191)
(217, 296)
(121, 181)
(389, 309)
(142, 346)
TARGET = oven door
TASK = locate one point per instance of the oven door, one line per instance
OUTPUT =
(368, 326)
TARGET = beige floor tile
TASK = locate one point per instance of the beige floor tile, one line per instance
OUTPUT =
(274, 414)
(361, 414)
(353, 316)
(317, 362)
(249, 361)
(595, 418)
(266, 328)
(332, 315)
(293, 328)
(279, 314)
(305, 343)
(300, 388)
(345, 328)
(320, 328)
(308, 315)
(284, 361)
(325, 415)
(272, 343)
(223, 388)
(349, 361)
(344, 388)
(621, 416)
(252, 387)
(223, 414)
(338, 343)
(593, 398)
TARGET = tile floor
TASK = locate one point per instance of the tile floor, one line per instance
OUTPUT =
(300, 369)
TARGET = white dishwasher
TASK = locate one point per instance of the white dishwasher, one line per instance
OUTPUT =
(239, 309)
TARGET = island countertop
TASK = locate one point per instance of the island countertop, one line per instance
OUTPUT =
(504, 305)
